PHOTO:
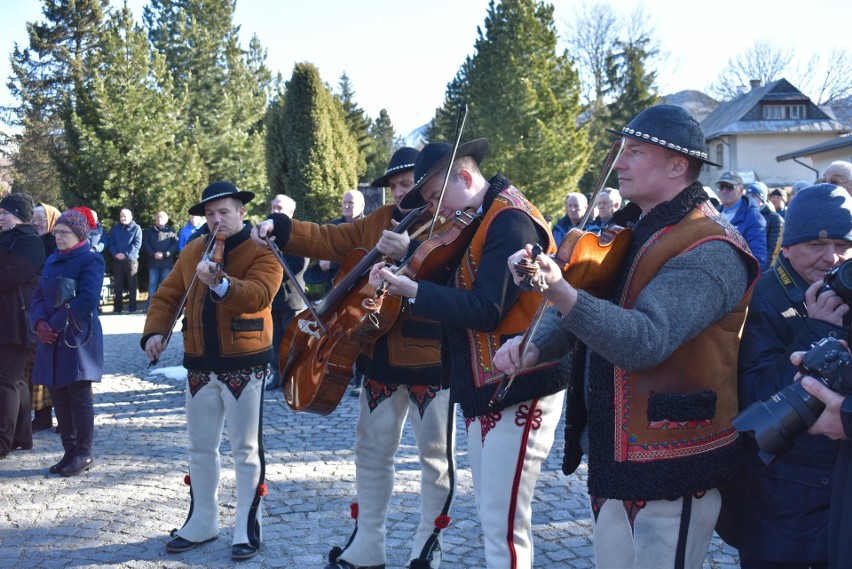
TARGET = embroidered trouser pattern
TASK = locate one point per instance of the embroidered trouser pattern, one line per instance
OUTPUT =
(506, 451)
(383, 410)
(212, 400)
(655, 533)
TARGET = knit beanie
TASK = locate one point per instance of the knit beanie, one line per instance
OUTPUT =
(20, 205)
(823, 211)
(76, 221)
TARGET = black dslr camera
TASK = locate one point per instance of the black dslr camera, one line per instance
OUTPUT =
(776, 422)
(839, 279)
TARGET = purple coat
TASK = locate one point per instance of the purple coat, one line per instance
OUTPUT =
(57, 364)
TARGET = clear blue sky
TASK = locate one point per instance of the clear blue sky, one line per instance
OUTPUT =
(400, 55)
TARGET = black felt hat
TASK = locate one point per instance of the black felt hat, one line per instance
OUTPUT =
(434, 157)
(401, 161)
(218, 191)
(671, 127)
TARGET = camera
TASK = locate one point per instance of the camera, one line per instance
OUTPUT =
(839, 279)
(776, 422)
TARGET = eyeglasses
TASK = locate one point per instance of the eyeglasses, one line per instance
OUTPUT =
(39, 219)
(723, 187)
(61, 233)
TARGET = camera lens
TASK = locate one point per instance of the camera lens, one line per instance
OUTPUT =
(776, 422)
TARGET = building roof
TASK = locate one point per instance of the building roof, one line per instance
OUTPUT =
(744, 114)
(827, 146)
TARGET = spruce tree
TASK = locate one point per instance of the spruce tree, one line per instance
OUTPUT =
(227, 89)
(523, 97)
(358, 123)
(123, 135)
(318, 154)
(382, 134)
(46, 80)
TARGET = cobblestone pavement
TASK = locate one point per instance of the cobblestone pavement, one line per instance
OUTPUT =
(119, 513)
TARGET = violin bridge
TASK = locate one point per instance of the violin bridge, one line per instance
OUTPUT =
(309, 327)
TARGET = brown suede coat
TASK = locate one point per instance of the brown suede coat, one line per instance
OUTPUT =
(242, 335)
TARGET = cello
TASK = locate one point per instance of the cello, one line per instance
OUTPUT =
(323, 341)
(587, 261)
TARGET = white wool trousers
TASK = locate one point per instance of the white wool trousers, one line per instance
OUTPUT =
(213, 405)
(506, 451)
(383, 411)
(655, 534)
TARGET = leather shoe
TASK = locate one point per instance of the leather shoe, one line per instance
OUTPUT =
(179, 544)
(242, 551)
(76, 465)
(63, 462)
(341, 564)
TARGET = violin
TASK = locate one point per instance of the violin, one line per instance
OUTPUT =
(588, 262)
(321, 344)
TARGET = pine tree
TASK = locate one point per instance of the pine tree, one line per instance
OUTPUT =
(631, 86)
(524, 97)
(46, 80)
(227, 89)
(358, 123)
(317, 155)
(124, 147)
(382, 133)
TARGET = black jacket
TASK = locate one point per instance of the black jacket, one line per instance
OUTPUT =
(21, 259)
(780, 512)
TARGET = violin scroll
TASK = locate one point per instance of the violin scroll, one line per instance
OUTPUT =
(528, 267)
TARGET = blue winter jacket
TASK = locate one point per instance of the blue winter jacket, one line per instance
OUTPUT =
(59, 364)
(125, 239)
(779, 512)
(752, 227)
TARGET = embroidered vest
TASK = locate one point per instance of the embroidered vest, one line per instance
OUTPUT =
(483, 345)
(671, 419)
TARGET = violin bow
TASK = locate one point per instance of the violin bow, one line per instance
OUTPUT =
(456, 142)
(609, 164)
(280, 258)
(506, 382)
(168, 336)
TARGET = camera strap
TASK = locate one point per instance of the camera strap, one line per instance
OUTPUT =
(795, 292)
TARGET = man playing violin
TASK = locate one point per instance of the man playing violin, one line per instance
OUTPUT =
(402, 380)
(508, 441)
(660, 357)
(227, 349)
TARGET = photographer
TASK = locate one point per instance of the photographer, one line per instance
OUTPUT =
(777, 515)
(835, 422)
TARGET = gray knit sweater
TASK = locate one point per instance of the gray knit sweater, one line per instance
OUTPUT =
(690, 292)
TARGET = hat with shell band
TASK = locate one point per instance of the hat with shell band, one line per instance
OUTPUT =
(671, 127)
(401, 161)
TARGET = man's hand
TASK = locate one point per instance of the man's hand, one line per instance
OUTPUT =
(396, 284)
(158, 255)
(394, 245)
(828, 423)
(828, 306)
(46, 334)
(120, 256)
(155, 346)
(508, 358)
(206, 272)
(260, 231)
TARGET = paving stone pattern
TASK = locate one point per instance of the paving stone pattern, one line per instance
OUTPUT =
(119, 513)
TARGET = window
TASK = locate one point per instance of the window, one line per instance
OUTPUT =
(781, 112)
(796, 111)
(720, 155)
(773, 112)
